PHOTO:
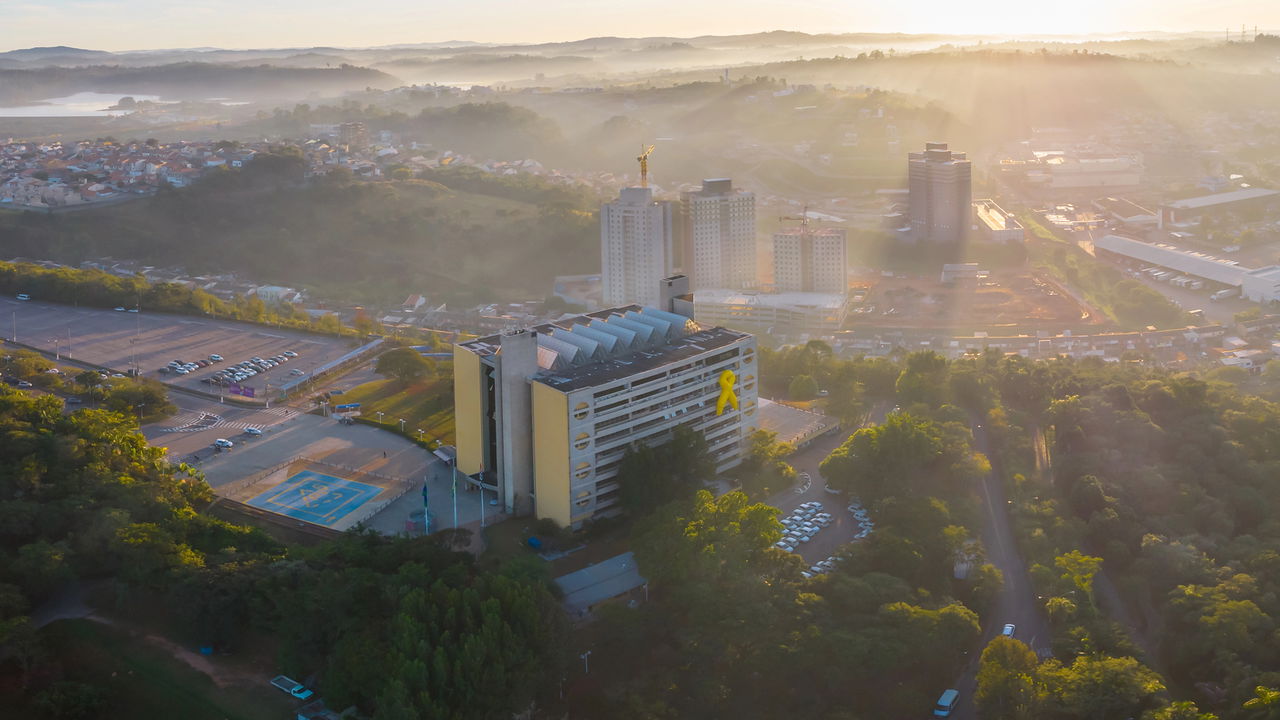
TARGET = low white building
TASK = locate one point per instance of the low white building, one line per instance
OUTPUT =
(776, 313)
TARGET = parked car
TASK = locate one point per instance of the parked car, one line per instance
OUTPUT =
(120, 309)
(23, 297)
(215, 357)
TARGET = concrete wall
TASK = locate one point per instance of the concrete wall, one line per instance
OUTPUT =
(551, 454)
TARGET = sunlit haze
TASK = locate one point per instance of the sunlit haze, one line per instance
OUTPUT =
(147, 24)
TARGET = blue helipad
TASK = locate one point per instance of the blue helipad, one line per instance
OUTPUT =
(315, 497)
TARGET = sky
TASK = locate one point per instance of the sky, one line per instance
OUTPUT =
(152, 24)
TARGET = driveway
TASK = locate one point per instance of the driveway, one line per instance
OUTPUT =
(1017, 602)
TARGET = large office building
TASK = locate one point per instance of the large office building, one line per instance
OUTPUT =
(545, 414)
(635, 247)
(717, 231)
(811, 260)
(940, 194)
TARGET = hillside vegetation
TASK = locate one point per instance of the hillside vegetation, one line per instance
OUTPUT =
(357, 241)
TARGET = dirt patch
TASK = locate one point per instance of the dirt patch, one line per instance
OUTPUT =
(221, 676)
(1002, 299)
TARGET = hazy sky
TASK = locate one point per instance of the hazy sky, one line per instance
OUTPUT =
(145, 24)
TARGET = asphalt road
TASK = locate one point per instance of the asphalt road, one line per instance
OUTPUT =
(1017, 602)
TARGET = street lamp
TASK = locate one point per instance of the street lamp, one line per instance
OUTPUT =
(401, 424)
(419, 434)
(379, 417)
(586, 662)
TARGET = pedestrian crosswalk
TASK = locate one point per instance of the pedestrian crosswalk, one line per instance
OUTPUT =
(194, 422)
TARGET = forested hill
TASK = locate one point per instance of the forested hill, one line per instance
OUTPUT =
(462, 236)
(188, 81)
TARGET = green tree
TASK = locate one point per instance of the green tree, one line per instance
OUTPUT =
(1100, 687)
(404, 364)
(1079, 569)
(1007, 684)
(1265, 703)
(802, 388)
(763, 470)
(1182, 710)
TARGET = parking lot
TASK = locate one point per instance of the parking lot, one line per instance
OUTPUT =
(121, 340)
(815, 529)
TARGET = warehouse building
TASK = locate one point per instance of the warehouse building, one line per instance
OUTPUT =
(1257, 284)
(545, 414)
(1180, 212)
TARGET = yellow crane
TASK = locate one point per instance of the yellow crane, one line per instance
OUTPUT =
(643, 159)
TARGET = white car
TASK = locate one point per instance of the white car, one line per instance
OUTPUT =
(290, 353)
(804, 538)
(806, 574)
(786, 547)
(215, 358)
(223, 443)
(119, 309)
(252, 431)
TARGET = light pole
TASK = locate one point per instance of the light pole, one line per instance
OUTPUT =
(379, 417)
(419, 434)
(402, 425)
(586, 662)
(324, 408)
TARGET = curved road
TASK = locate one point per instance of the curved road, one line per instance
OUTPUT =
(1017, 602)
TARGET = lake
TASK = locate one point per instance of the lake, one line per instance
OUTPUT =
(82, 104)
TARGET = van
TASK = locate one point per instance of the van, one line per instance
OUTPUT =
(946, 703)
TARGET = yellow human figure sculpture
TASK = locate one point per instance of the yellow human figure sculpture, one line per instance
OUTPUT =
(727, 395)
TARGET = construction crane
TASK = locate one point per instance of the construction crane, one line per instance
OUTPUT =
(803, 218)
(643, 159)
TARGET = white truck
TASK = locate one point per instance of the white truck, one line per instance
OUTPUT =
(1224, 294)
(291, 686)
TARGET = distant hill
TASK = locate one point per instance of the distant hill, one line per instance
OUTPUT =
(189, 81)
(42, 53)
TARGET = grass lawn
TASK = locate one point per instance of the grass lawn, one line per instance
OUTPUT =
(425, 405)
(141, 680)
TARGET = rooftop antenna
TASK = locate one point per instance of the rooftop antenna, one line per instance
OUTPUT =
(643, 159)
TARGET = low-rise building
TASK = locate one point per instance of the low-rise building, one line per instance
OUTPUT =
(785, 313)
(997, 225)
